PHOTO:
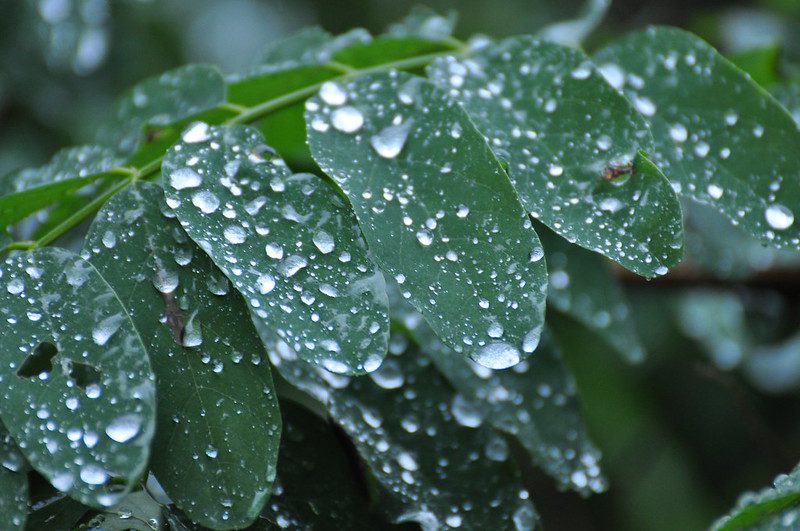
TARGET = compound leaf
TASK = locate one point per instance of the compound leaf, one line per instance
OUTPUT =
(720, 138)
(78, 392)
(572, 145)
(437, 210)
(218, 424)
(289, 244)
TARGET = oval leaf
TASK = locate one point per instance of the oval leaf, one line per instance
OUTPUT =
(288, 243)
(218, 429)
(436, 209)
(79, 395)
(572, 147)
(721, 139)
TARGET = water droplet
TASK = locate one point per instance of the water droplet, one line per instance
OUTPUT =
(206, 201)
(390, 141)
(347, 119)
(274, 250)
(465, 412)
(497, 355)
(678, 133)
(235, 234)
(123, 429)
(291, 265)
(613, 74)
(185, 178)
(324, 242)
(196, 132)
(556, 170)
(644, 105)
(715, 191)
(211, 451)
(407, 461)
(332, 93)
(93, 475)
(424, 237)
(779, 217)
(335, 366)
(15, 286)
(265, 284)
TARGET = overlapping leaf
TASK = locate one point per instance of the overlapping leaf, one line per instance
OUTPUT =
(572, 145)
(161, 100)
(78, 392)
(436, 209)
(788, 94)
(69, 170)
(772, 508)
(289, 244)
(535, 401)
(720, 138)
(430, 457)
(425, 22)
(218, 425)
(13, 484)
(582, 286)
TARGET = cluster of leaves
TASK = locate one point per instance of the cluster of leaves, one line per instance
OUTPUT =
(399, 292)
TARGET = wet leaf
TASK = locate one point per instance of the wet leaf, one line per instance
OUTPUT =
(535, 401)
(78, 391)
(583, 286)
(572, 145)
(161, 100)
(436, 209)
(218, 424)
(770, 509)
(69, 170)
(788, 94)
(298, 48)
(310, 449)
(433, 465)
(289, 244)
(13, 484)
(137, 512)
(720, 138)
(574, 32)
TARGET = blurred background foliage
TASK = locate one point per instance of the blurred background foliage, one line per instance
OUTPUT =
(714, 409)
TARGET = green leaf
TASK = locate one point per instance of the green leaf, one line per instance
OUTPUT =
(288, 243)
(137, 512)
(424, 22)
(771, 508)
(161, 100)
(69, 170)
(583, 286)
(385, 49)
(61, 513)
(565, 135)
(310, 449)
(426, 453)
(535, 401)
(788, 94)
(78, 391)
(436, 209)
(218, 425)
(13, 484)
(722, 139)
(761, 64)
(574, 32)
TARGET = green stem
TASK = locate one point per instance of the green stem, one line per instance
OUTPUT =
(244, 115)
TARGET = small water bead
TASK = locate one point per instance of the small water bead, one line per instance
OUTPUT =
(407, 461)
(332, 93)
(185, 178)
(644, 105)
(453, 520)
(124, 428)
(462, 212)
(274, 250)
(702, 149)
(235, 234)
(731, 118)
(93, 475)
(389, 142)
(495, 330)
(388, 375)
(291, 265)
(715, 191)
(206, 201)
(211, 451)
(196, 132)
(604, 143)
(614, 75)
(497, 355)
(424, 237)
(583, 71)
(335, 366)
(465, 412)
(347, 119)
(323, 241)
(165, 281)
(109, 239)
(265, 284)
(779, 217)
(678, 133)
(555, 170)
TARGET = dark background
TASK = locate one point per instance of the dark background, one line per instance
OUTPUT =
(684, 433)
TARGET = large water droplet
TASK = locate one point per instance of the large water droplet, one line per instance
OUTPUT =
(332, 93)
(390, 141)
(185, 178)
(779, 217)
(497, 355)
(347, 119)
(324, 242)
(123, 429)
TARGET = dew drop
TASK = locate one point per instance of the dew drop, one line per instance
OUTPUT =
(390, 141)
(332, 93)
(347, 119)
(497, 355)
(123, 429)
(185, 178)
(196, 132)
(265, 284)
(235, 234)
(779, 217)
(206, 201)
(424, 237)
(324, 242)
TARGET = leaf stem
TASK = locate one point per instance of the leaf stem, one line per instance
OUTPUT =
(243, 115)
